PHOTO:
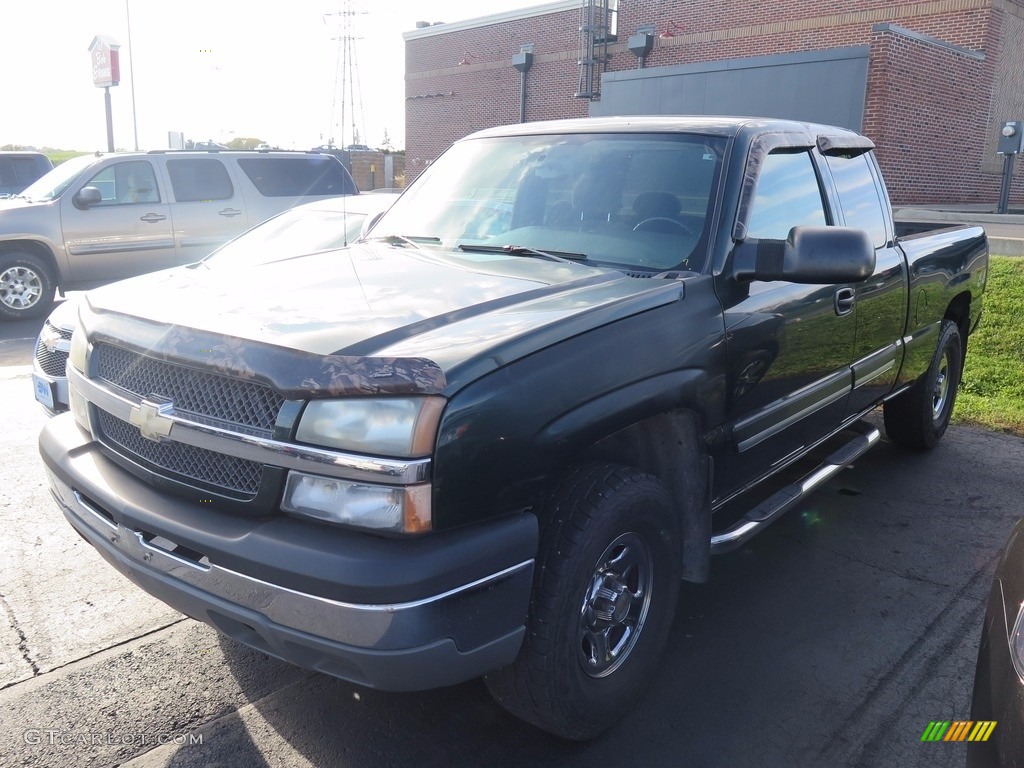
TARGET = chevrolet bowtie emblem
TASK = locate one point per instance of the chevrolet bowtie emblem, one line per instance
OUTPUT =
(53, 341)
(153, 419)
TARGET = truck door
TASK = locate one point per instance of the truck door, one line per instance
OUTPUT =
(127, 233)
(789, 346)
(880, 306)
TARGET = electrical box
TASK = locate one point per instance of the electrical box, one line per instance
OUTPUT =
(1011, 137)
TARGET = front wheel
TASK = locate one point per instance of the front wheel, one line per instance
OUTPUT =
(918, 418)
(26, 286)
(605, 589)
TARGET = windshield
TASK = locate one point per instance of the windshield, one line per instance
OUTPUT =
(638, 201)
(53, 184)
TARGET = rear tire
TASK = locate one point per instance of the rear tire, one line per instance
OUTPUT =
(918, 418)
(26, 286)
(605, 589)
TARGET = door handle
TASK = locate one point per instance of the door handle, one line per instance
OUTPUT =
(152, 218)
(844, 299)
(230, 212)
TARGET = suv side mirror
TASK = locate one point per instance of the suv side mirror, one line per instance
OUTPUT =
(88, 196)
(815, 255)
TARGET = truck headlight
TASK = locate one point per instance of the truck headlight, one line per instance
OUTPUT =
(392, 426)
(79, 349)
(399, 509)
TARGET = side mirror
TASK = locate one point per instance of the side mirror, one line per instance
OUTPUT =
(88, 196)
(814, 255)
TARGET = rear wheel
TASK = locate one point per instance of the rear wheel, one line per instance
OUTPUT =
(605, 590)
(26, 286)
(918, 418)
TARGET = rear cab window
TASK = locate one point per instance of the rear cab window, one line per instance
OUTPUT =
(858, 194)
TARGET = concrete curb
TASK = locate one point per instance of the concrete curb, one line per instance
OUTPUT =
(1006, 246)
(1010, 227)
(956, 217)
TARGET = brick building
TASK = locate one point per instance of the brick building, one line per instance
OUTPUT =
(930, 82)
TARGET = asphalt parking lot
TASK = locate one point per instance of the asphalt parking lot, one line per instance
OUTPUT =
(833, 639)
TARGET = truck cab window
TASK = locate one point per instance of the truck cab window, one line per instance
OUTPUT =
(788, 195)
(858, 195)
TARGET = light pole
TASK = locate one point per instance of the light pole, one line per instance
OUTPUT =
(131, 69)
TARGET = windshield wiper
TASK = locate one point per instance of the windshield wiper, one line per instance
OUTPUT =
(413, 240)
(566, 257)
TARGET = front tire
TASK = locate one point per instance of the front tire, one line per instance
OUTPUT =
(26, 286)
(605, 590)
(918, 418)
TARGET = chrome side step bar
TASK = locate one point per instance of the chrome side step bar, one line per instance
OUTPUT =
(772, 508)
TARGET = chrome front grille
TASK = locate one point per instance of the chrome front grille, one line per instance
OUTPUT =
(233, 404)
(52, 363)
(234, 401)
(238, 477)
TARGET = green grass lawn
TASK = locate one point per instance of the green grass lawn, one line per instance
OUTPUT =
(59, 156)
(992, 393)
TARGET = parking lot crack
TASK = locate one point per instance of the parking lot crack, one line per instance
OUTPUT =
(22, 637)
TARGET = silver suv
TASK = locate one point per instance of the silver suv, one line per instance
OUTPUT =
(99, 218)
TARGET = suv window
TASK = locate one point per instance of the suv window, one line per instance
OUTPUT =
(858, 195)
(297, 176)
(788, 195)
(132, 181)
(199, 180)
(18, 172)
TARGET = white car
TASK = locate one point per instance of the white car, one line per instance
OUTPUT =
(318, 226)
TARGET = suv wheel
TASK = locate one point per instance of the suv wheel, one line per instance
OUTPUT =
(26, 286)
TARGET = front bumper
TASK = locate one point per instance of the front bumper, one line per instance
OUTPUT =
(406, 614)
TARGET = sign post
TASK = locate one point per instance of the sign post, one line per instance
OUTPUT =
(106, 72)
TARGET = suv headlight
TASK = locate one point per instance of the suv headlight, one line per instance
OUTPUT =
(393, 426)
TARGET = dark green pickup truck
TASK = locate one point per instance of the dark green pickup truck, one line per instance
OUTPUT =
(571, 363)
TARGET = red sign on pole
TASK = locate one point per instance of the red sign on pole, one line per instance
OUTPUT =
(106, 65)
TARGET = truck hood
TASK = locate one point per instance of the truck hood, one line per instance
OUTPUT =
(377, 300)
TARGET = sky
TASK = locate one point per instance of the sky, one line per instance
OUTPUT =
(214, 70)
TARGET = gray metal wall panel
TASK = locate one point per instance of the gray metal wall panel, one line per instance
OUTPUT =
(818, 86)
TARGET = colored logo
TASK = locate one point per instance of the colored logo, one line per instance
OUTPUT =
(958, 730)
